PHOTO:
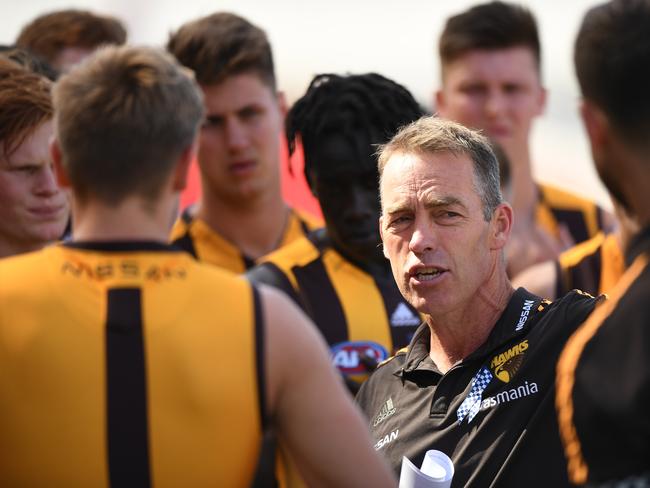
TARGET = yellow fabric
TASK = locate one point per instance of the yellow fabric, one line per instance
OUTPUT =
(553, 197)
(566, 368)
(214, 249)
(612, 261)
(202, 401)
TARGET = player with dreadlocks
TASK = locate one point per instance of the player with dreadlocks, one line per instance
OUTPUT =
(339, 274)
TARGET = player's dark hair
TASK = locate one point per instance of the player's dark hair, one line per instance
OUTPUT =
(612, 60)
(366, 109)
(30, 61)
(221, 45)
(50, 33)
(494, 25)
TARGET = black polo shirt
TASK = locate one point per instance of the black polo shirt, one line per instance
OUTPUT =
(511, 437)
(604, 383)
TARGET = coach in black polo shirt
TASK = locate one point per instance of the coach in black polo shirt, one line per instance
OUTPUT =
(477, 380)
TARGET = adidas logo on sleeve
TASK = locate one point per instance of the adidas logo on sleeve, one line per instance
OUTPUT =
(404, 316)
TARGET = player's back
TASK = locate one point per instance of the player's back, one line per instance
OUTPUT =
(126, 362)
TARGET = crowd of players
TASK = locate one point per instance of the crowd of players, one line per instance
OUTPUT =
(142, 344)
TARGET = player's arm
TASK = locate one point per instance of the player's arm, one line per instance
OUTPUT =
(314, 415)
(539, 279)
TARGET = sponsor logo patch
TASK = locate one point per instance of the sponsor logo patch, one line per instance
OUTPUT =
(387, 439)
(509, 395)
(348, 356)
(525, 311)
(404, 316)
(505, 365)
(386, 411)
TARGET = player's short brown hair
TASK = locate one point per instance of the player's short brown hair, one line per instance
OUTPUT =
(48, 34)
(25, 103)
(489, 26)
(123, 118)
(221, 45)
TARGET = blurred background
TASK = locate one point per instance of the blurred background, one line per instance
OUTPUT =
(396, 39)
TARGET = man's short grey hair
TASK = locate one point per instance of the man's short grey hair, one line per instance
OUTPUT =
(433, 135)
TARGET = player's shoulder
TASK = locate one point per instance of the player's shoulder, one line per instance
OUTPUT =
(298, 253)
(572, 308)
(560, 197)
(311, 221)
(574, 255)
(29, 262)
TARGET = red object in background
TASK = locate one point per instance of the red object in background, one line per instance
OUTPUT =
(294, 187)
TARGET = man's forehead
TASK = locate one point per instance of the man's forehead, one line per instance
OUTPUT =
(426, 176)
(519, 61)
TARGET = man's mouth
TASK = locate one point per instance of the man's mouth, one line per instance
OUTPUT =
(427, 274)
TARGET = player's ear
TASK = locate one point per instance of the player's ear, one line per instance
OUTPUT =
(181, 171)
(502, 220)
(439, 102)
(282, 103)
(596, 124)
(381, 233)
(57, 160)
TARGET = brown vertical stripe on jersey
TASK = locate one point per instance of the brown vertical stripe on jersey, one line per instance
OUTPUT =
(324, 303)
(128, 435)
(259, 356)
(577, 467)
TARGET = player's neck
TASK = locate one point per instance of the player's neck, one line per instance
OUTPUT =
(256, 228)
(524, 188)
(457, 334)
(130, 220)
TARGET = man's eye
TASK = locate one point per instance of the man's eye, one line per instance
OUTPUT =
(249, 112)
(212, 121)
(30, 170)
(400, 220)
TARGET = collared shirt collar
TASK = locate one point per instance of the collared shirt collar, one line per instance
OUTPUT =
(640, 243)
(511, 324)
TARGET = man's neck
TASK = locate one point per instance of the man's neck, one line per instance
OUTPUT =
(131, 220)
(524, 188)
(459, 333)
(255, 228)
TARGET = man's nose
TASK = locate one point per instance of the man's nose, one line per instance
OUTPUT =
(46, 184)
(236, 135)
(495, 103)
(423, 239)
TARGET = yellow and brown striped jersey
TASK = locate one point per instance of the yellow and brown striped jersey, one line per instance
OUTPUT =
(593, 266)
(581, 217)
(603, 383)
(363, 318)
(127, 364)
(195, 236)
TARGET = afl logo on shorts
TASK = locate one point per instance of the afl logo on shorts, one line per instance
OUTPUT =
(348, 356)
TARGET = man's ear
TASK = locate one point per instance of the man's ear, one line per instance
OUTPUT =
(311, 177)
(181, 171)
(439, 105)
(381, 233)
(542, 96)
(282, 103)
(596, 124)
(502, 221)
(57, 160)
